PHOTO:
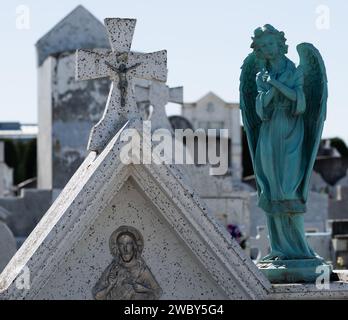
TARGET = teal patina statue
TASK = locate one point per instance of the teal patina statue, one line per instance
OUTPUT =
(283, 110)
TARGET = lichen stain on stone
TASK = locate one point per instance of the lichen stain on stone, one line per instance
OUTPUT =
(82, 104)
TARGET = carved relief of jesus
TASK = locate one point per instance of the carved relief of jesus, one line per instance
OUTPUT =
(127, 277)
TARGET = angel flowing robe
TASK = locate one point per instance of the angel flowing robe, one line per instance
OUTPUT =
(279, 162)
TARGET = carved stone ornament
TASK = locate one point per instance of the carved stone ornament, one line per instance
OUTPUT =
(127, 277)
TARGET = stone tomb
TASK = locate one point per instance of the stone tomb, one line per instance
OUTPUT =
(125, 230)
(185, 253)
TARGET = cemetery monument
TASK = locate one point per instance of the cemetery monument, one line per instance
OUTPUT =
(283, 109)
(125, 230)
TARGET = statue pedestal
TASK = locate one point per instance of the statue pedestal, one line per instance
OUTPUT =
(294, 271)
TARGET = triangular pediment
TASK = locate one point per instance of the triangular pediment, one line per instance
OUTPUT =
(211, 97)
(90, 194)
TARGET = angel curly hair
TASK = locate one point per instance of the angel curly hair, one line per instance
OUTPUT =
(268, 29)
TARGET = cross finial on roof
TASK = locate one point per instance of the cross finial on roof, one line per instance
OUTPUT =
(121, 66)
(158, 94)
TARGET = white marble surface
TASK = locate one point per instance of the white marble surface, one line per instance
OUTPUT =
(183, 220)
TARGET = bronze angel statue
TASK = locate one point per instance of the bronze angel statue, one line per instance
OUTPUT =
(283, 111)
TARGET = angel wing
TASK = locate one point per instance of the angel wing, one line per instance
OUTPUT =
(315, 90)
(248, 94)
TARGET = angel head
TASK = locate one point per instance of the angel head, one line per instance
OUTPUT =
(268, 43)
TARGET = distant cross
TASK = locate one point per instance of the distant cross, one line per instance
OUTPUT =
(122, 66)
(157, 94)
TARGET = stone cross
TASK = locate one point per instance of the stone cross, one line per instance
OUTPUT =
(157, 95)
(122, 66)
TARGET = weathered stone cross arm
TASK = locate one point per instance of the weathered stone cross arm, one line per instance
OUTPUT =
(158, 94)
(95, 64)
(176, 95)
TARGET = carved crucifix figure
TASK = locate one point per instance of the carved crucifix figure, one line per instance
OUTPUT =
(122, 66)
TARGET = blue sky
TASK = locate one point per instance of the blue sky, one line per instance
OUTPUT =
(206, 42)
